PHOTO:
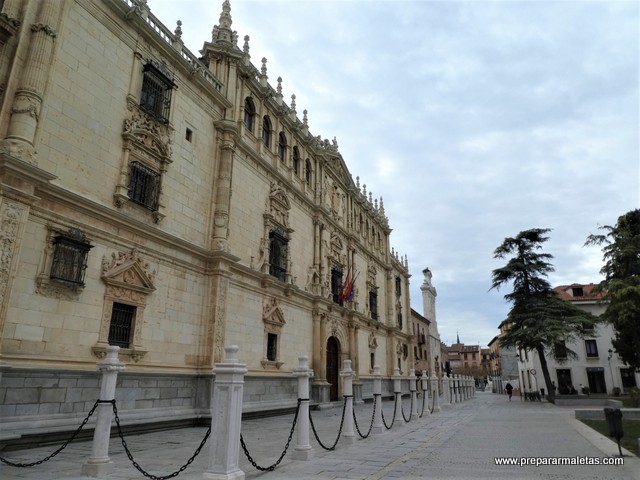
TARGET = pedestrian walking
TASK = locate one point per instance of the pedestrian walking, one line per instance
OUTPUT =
(509, 388)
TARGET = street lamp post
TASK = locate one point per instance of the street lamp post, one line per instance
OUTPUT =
(613, 381)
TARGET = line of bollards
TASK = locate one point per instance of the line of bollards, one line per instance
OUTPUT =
(226, 409)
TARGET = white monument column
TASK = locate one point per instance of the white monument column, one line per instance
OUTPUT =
(303, 449)
(99, 464)
(348, 435)
(378, 427)
(226, 416)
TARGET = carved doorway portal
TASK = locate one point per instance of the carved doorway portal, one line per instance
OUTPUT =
(333, 365)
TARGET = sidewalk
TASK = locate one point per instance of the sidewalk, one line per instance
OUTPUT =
(458, 443)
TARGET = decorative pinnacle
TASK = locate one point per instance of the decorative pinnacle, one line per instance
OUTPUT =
(245, 47)
(304, 117)
(178, 31)
(224, 33)
(358, 183)
(293, 102)
(263, 70)
(279, 87)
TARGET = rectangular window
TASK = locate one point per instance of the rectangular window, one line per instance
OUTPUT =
(121, 327)
(398, 286)
(272, 347)
(69, 261)
(155, 97)
(278, 245)
(373, 304)
(561, 350)
(144, 185)
(336, 284)
(372, 357)
(591, 347)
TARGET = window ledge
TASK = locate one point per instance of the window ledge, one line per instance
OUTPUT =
(271, 365)
(57, 288)
(135, 354)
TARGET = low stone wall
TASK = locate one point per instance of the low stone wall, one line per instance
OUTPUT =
(598, 414)
(587, 401)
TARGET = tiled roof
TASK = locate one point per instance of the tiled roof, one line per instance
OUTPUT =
(568, 292)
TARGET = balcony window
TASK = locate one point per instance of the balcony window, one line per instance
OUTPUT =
(155, 97)
(121, 326)
(69, 262)
(144, 185)
(278, 245)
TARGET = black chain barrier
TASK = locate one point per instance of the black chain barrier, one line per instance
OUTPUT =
(64, 445)
(139, 468)
(332, 447)
(424, 398)
(388, 427)
(433, 402)
(410, 408)
(272, 467)
(355, 421)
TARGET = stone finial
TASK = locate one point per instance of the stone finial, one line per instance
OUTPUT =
(263, 70)
(293, 102)
(245, 47)
(364, 190)
(305, 120)
(370, 197)
(178, 31)
(375, 204)
(381, 206)
(225, 35)
(358, 183)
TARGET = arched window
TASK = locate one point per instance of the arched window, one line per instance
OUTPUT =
(249, 114)
(296, 161)
(266, 131)
(308, 172)
(282, 147)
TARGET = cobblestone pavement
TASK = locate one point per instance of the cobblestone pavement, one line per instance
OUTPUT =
(460, 442)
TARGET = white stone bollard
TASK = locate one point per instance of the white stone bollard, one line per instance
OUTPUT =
(414, 392)
(435, 391)
(99, 464)
(378, 426)
(348, 435)
(226, 418)
(303, 449)
(425, 391)
(397, 391)
(446, 390)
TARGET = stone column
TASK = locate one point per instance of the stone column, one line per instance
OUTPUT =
(348, 435)
(99, 464)
(378, 426)
(413, 391)
(435, 392)
(303, 449)
(226, 416)
(223, 184)
(397, 391)
(425, 391)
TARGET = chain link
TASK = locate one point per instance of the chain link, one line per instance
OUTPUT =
(410, 409)
(424, 397)
(355, 421)
(139, 468)
(388, 427)
(271, 468)
(64, 445)
(333, 447)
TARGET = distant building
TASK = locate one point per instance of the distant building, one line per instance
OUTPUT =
(596, 367)
(465, 359)
(503, 361)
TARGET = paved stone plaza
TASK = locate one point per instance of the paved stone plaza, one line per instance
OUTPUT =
(458, 443)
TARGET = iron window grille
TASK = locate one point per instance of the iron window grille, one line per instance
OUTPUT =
(272, 347)
(70, 252)
(144, 185)
(373, 304)
(278, 245)
(121, 327)
(155, 97)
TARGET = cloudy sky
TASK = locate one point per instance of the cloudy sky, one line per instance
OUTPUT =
(473, 120)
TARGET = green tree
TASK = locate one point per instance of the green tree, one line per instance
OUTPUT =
(538, 319)
(621, 284)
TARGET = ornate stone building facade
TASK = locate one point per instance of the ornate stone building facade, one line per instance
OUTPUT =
(173, 204)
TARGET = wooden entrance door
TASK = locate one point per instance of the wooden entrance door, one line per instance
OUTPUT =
(333, 360)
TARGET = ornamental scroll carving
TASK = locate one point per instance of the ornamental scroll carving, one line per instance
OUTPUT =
(152, 136)
(9, 224)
